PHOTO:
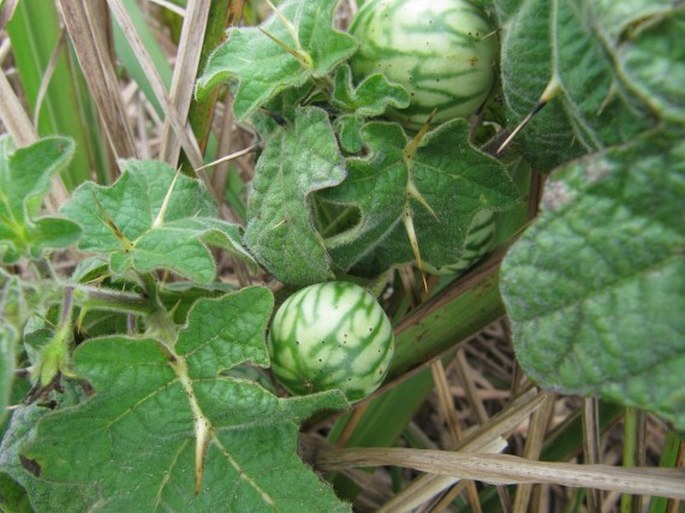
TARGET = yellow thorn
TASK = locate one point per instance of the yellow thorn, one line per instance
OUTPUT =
(299, 54)
(412, 147)
(413, 241)
(550, 92)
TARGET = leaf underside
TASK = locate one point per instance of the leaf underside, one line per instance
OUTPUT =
(595, 287)
(299, 159)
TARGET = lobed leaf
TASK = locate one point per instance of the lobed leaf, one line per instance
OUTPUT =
(441, 186)
(369, 98)
(167, 430)
(300, 158)
(132, 222)
(266, 60)
(26, 175)
(349, 127)
(595, 288)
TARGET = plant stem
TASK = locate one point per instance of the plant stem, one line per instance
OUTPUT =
(43, 269)
(456, 313)
(633, 433)
(200, 114)
(54, 356)
(160, 319)
(101, 298)
(669, 459)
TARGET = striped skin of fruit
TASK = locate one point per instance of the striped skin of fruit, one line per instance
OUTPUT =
(442, 51)
(331, 335)
(476, 245)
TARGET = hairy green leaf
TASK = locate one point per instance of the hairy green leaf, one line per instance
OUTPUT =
(653, 65)
(370, 98)
(166, 430)
(25, 178)
(300, 158)
(137, 226)
(17, 301)
(44, 496)
(441, 185)
(277, 55)
(566, 51)
(595, 288)
(348, 127)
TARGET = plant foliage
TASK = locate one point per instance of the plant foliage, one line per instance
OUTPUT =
(145, 384)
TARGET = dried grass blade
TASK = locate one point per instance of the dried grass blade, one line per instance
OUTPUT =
(6, 11)
(187, 139)
(185, 71)
(446, 405)
(536, 436)
(506, 469)
(591, 447)
(488, 438)
(93, 56)
(13, 115)
(45, 82)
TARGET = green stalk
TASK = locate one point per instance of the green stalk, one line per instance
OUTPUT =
(456, 313)
(54, 356)
(159, 320)
(669, 459)
(200, 114)
(382, 422)
(632, 434)
(90, 298)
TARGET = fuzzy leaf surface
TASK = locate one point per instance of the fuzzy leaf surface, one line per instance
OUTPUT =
(162, 420)
(18, 301)
(370, 97)
(595, 287)
(43, 496)
(442, 186)
(261, 67)
(300, 158)
(25, 178)
(177, 240)
(349, 127)
(575, 44)
(653, 66)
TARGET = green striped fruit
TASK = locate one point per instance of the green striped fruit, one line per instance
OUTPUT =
(331, 335)
(477, 244)
(442, 51)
